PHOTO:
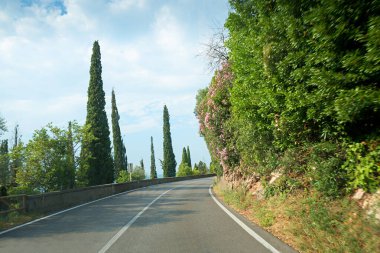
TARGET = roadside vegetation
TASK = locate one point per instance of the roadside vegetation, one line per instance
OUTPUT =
(292, 119)
(307, 221)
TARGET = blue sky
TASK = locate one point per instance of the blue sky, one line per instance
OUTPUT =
(150, 56)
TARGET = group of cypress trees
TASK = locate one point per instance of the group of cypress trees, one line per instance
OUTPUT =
(97, 163)
(186, 159)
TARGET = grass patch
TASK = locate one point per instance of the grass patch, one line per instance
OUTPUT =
(307, 221)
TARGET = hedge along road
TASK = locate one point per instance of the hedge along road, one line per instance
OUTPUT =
(173, 217)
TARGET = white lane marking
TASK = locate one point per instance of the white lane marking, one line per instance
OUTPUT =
(75, 207)
(245, 227)
(69, 209)
(123, 229)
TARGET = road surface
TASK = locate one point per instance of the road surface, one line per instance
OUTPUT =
(173, 217)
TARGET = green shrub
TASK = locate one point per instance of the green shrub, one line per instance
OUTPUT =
(363, 165)
(282, 185)
(325, 169)
(184, 170)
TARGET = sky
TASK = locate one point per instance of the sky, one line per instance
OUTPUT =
(151, 56)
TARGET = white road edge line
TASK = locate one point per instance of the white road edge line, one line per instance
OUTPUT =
(66, 210)
(245, 227)
(123, 229)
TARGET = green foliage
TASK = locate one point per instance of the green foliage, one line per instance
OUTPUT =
(48, 161)
(363, 165)
(3, 127)
(185, 157)
(123, 177)
(283, 185)
(184, 170)
(153, 171)
(168, 164)
(213, 113)
(325, 168)
(138, 172)
(216, 168)
(4, 163)
(188, 157)
(118, 146)
(68, 180)
(301, 77)
(97, 163)
(202, 167)
(16, 156)
(358, 110)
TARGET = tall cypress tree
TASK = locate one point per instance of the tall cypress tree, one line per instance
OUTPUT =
(142, 164)
(4, 163)
(124, 155)
(69, 173)
(153, 171)
(188, 156)
(118, 146)
(17, 157)
(96, 153)
(169, 163)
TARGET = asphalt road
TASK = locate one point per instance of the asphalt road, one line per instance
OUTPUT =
(173, 217)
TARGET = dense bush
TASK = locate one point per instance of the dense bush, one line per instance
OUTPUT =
(302, 78)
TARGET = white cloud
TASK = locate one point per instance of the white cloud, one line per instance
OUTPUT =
(124, 5)
(148, 56)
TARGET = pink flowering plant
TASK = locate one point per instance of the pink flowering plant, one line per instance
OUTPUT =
(213, 111)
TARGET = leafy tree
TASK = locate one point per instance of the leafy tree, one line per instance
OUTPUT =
(138, 172)
(49, 162)
(4, 163)
(188, 157)
(153, 171)
(184, 170)
(169, 164)
(45, 161)
(202, 167)
(123, 177)
(96, 154)
(118, 146)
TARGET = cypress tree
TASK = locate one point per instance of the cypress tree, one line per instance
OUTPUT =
(142, 164)
(118, 146)
(69, 173)
(153, 172)
(96, 153)
(4, 163)
(124, 155)
(188, 156)
(169, 163)
(184, 157)
(16, 159)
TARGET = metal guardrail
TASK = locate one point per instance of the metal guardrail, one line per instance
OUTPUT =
(13, 203)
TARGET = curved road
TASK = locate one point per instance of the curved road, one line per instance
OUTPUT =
(173, 217)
